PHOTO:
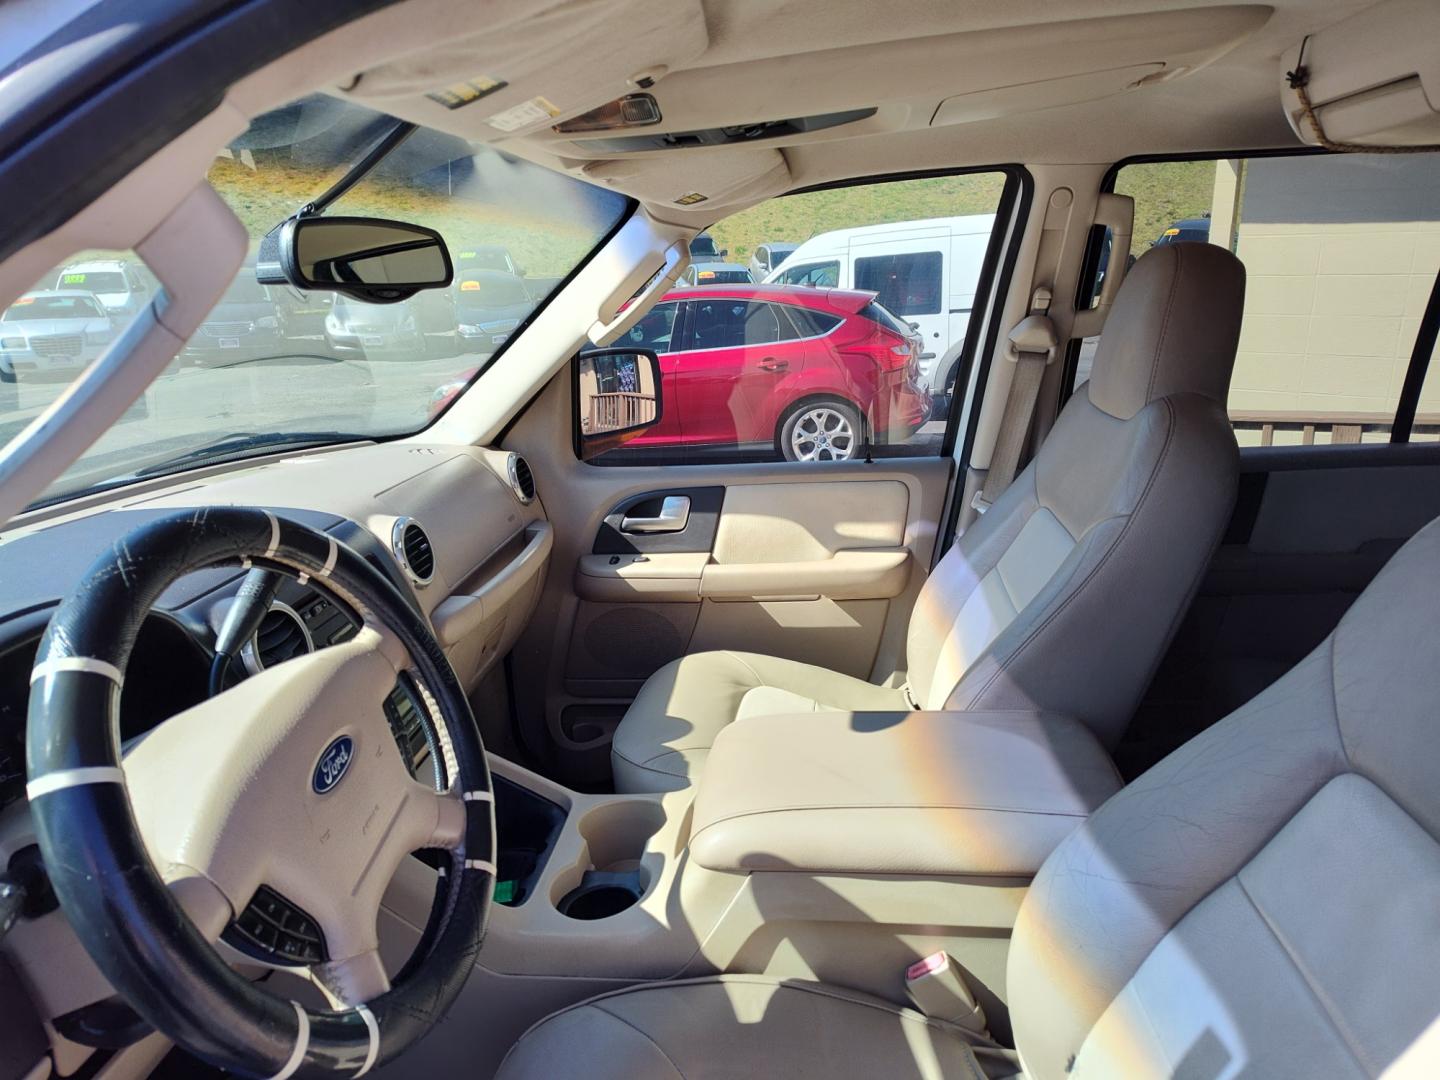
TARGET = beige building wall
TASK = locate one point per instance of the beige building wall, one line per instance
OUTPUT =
(1331, 311)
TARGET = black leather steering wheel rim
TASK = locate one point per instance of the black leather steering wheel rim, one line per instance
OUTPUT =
(119, 907)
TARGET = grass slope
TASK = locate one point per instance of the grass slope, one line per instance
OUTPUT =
(1163, 192)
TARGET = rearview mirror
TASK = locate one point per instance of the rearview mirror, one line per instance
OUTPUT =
(370, 259)
(617, 397)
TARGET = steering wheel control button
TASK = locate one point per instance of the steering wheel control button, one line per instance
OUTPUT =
(333, 764)
(408, 726)
(273, 929)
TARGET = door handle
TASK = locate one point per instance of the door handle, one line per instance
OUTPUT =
(776, 366)
(673, 517)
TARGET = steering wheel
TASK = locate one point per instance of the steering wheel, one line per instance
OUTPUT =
(279, 809)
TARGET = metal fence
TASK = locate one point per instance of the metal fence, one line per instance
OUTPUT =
(1342, 427)
(616, 411)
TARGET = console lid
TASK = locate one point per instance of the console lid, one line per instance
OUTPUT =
(950, 793)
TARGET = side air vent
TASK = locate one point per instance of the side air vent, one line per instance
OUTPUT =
(411, 544)
(522, 480)
(282, 634)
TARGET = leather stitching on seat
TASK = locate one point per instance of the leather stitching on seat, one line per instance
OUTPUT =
(1165, 322)
(1101, 564)
(1337, 1021)
(759, 681)
(979, 808)
(646, 763)
(658, 1048)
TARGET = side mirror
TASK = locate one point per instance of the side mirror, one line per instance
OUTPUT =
(369, 259)
(617, 397)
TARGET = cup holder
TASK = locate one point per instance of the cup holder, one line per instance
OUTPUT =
(602, 893)
(613, 870)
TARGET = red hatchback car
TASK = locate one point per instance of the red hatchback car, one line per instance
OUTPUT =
(788, 368)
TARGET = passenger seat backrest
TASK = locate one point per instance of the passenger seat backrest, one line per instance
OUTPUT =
(1065, 594)
(1266, 900)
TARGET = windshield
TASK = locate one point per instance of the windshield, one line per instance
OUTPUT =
(52, 307)
(278, 366)
(95, 281)
(245, 290)
(492, 290)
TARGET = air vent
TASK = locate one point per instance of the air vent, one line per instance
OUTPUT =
(412, 548)
(522, 480)
(282, 634)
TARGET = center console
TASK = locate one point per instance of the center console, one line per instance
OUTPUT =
(832, 846)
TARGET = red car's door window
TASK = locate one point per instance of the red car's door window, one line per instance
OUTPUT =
(659, 330)
(727, 381)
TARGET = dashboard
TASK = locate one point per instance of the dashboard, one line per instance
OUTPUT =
(461, 531)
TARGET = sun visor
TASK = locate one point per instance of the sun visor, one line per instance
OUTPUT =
(1371, 80)
(517, 76)
(1046, 93)
(695, 181)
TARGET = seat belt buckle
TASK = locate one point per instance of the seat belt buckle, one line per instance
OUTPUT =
(938, 990)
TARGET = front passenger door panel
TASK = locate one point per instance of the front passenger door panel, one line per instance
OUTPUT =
(805, 571)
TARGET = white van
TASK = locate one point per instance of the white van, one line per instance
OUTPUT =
(925, 272)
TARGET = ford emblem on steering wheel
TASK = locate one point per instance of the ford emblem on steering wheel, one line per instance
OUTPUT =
(330, 769)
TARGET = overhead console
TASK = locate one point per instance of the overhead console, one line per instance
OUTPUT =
(1371, 80)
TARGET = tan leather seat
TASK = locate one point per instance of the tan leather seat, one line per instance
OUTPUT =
(1265, 902)
(1065, 594)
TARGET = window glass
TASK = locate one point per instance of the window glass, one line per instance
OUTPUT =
(875, 312)
(727, 323)
(656, 329)
(1340, 253)
(272, 365)
(811, 323)
(56, 305)
(852, 340)
(94, 281)
(822, 275)
(906, 284)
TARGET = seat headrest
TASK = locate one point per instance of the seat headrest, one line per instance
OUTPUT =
(1173, 330)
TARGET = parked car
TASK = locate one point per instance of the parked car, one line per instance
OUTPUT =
(924, 271)
(489, 305)
(362, 331)
(122, 286)
(768, 257)
(425, 325)
(1186, 229)
(702, 246)
(716, 273)
(244, 325)
(486, 257)
(783, 369)
(53, 332)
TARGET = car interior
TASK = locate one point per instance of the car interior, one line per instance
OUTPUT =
(440, 665)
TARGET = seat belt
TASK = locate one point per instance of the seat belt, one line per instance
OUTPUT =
(1033, 346)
